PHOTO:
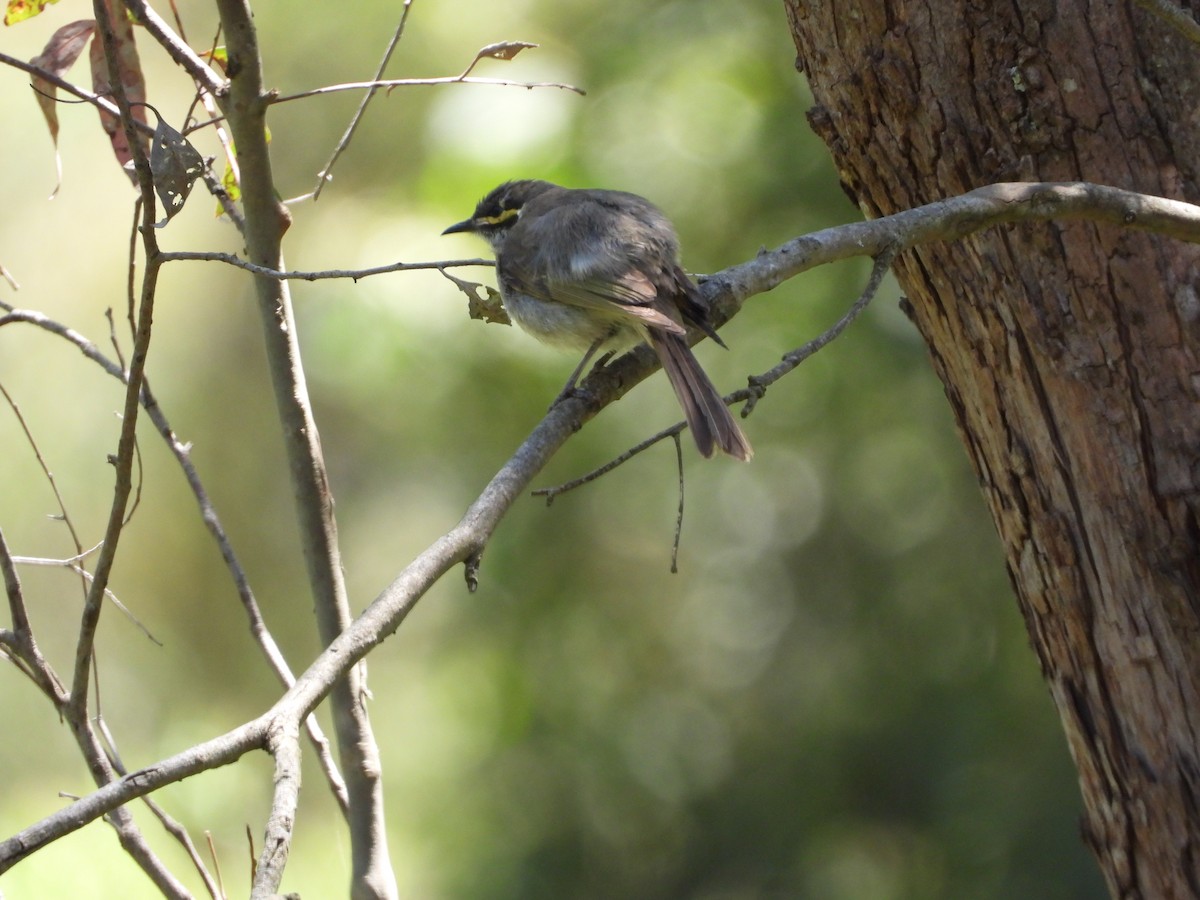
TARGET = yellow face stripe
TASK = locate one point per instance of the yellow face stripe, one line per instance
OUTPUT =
(501, 217)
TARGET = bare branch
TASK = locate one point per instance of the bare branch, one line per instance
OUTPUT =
(760, 383)
(266, 221)
(126, 445)
(176, 47)
(326, 174)
(951, 219)
(46, 473)
(728, 290)
(424, 82)
(277, 840)
(212, 522)
(210, 754)
(82, 93)
(22, 643)
(353, 274)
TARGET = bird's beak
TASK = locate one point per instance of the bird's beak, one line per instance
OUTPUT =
(457, 227)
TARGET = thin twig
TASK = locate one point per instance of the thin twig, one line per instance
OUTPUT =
(172, 826)
(258, 628)
(679, 511)
(353, 274)
(22, 641)
(183, 55)
(212, 852)
(326, 174)
(758, 384)
(87, 578)
(58, 81)
(727, 290)
(423, 82)
(63, 515)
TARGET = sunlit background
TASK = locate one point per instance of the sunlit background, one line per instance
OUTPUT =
(833, 698)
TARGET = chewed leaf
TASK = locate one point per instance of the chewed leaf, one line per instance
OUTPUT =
(175, 165)
(129, 68)
(487, 309)
(503, 50)
(19, 10)
(57, 57)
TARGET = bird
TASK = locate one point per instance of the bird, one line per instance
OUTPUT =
(592, 268)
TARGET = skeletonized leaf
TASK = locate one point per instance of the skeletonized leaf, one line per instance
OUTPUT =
(57, 57)
(129, 69)
(19, 10)
(175, 165)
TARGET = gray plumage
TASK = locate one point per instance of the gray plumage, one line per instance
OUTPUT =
(586, 268)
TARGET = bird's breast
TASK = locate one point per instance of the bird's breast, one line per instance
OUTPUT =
(563, 325)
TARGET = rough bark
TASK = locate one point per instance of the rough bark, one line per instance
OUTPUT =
(1068, 353)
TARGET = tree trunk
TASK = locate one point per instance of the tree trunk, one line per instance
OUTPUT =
(1068, 353)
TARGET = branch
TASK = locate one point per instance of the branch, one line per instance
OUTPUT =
(181, 451)
(952, 219)
(324, 176)
(123, 483)
(96, 100)
(266, 218)
(185, 57)
(353, 274)
(423, 82)
(758, 385)
(23, 646)
(728, 290)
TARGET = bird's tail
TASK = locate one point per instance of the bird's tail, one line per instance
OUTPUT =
(712, 425)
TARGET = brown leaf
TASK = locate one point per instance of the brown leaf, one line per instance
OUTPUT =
(129, 69)
(64, 47)
(487, 309)
(57, 57)
(175, 165)
(503, 50)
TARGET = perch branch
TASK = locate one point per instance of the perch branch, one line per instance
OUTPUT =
(727, 291)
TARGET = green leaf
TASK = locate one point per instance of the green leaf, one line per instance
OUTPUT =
(19, 10)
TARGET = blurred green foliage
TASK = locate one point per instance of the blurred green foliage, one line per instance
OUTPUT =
(834, 698)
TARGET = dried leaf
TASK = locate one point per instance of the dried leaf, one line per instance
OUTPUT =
(129, 69)
(64, 47)
(57, 57)
(19, 10)
(488, 309)
(503, 50)
(176, 165)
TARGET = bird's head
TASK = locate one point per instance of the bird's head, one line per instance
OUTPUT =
(497, 212)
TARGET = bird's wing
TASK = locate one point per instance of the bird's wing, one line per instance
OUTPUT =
(575, 264)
